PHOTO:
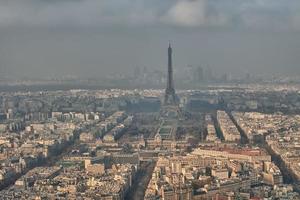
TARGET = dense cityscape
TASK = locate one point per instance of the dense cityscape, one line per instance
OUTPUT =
(219, 142)
(149, 100)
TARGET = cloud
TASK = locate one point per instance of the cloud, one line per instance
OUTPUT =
(182, 13)
(195, 13)
(74, 12)
(186, 13)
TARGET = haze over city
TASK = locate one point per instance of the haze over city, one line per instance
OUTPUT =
(87, 38)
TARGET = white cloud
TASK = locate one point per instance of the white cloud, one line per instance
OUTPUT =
(187, 13)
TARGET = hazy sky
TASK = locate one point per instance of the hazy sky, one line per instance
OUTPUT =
(96, 37)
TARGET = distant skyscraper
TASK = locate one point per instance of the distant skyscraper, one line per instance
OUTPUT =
(224, 77)
(199, 74)
(189, 72)
(208, 75)
(170, 96)
(137, 72)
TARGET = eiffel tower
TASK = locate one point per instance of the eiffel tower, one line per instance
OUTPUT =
(170, 96)
(170, 108)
